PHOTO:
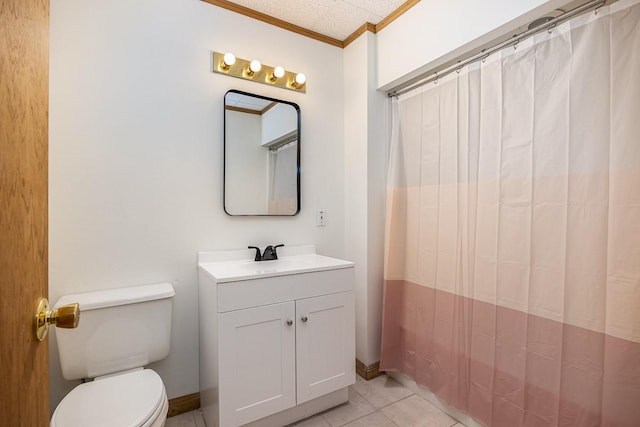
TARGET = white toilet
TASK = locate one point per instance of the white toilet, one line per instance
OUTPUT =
(120, 331)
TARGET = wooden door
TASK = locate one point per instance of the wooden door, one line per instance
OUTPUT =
(325, 344)
(257, 362)
(24, 77)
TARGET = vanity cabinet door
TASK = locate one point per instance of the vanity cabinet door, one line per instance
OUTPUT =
(256, 362)
(325, 344)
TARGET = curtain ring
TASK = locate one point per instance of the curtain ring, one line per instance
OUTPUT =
(551, 28)
(484, 58)
(435, 82)
(515, 45)
(597, 9)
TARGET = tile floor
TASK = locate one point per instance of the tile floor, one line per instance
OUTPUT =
(381, 402)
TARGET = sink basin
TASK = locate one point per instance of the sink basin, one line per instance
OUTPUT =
(244, 269)
(282, 264)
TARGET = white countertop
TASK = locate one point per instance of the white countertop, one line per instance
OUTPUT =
(233, 266)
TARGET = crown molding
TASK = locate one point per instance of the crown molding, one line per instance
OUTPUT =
(396, 14)
(367, 26)
(274, 21)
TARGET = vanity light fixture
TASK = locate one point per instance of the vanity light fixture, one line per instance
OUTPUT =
(230, 65)
(227, 60)
(299, 80)
(254, 67)
(278, 72)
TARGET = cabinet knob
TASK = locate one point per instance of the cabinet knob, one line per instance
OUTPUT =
(289, 322)
(304, 318)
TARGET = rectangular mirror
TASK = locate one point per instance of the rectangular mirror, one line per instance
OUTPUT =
(261, 155)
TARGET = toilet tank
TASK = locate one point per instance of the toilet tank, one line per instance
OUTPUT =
(119, 329)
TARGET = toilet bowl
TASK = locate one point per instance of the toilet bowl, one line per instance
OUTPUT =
(122, 331)
(135, 398)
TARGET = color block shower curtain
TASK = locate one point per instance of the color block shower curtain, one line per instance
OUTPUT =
(283, 179)
(512, 270)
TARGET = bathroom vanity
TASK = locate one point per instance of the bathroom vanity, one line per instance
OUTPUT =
(277, 338)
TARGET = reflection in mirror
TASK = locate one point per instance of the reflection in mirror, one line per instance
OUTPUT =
(261, 155)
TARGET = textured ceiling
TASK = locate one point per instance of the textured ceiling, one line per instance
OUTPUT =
(243, 101)
(337, 19)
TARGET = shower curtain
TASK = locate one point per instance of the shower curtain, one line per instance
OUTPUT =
(512, 259)
(283, 180)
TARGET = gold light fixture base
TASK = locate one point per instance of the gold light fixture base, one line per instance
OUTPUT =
(240, 69)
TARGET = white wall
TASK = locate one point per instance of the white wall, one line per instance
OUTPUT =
(136, 152)
(377, 163)
(366, 150)
(277, 122)
(356, 66)
(247, 162)
(434, 32)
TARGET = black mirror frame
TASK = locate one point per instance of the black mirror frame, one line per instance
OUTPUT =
(224, 164)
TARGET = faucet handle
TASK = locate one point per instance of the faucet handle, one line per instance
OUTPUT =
(258, 256)
(275, 250)
(270, 253)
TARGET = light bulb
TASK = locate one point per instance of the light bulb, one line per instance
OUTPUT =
(255, 66)
(300, 78)
(229, 59)
(278, 72)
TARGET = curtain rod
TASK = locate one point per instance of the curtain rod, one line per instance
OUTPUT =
(513, 41)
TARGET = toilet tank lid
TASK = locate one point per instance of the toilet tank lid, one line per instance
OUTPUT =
(120, 296)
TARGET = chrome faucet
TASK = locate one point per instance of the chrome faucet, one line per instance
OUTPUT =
(270, 253)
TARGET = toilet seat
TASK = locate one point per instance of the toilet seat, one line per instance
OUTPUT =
(132, 399)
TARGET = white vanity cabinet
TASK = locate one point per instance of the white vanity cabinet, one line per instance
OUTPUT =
(257, 363)
(325, 344)
(278, 344)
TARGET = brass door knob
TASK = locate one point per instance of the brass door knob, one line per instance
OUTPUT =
(67, 316)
